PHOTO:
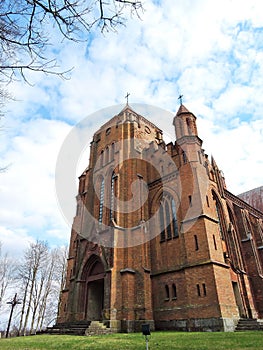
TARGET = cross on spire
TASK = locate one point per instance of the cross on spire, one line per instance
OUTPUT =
(181, 99)
(127, 97)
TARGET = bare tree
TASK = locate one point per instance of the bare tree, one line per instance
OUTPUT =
(26, 27)
(51, 296)
(40, 273)
(34, 258)
(6, 274)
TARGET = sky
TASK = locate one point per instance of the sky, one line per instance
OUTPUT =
(209, 51)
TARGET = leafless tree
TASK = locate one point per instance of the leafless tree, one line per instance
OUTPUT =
(40, 273)
(27, 27)
(6, 274)
(51, 296)
(35, 258)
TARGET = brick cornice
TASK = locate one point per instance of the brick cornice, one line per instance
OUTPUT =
(189, 266)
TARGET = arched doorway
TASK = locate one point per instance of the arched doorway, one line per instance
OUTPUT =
(94, 289)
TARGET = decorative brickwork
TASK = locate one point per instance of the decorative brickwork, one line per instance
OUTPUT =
(157, 237)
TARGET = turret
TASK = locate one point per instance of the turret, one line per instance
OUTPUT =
(184, 123)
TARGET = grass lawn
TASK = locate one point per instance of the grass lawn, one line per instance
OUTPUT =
(135, 341)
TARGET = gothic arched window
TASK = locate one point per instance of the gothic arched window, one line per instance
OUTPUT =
(167, 218)
(107, 155)
(113, 189)
(219, 215)
(102, 189)
(112, 151)
(102, 158)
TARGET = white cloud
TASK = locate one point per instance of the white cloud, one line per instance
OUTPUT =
(210, 51)
(27, 189)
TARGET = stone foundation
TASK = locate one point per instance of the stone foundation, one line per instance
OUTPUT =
(198, 325)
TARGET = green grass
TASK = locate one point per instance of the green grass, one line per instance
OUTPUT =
(135, 341)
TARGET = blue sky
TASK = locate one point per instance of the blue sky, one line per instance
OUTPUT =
(210, 51)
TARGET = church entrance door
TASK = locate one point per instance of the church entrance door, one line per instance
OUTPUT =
(94, 300)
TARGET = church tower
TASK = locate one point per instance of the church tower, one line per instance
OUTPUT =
(157, 237)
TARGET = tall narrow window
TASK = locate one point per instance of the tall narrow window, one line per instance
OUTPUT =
(184, 157)
(214, 239)
(217, 205)
(101, 201)
(112, 195)
(174, 221)
(190, 201)
(112, 151)
(198, 290)
(167, 218)
(162, 228)
(188, 123)
(196, 242)
(204, 289)
(207, 201)
(107, 155)
(102, 158)
(174, 291)
(167, 293)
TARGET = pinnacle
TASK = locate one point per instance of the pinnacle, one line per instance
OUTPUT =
(182, 109)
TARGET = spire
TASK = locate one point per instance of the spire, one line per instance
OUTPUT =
(182, 109)
(185, 123)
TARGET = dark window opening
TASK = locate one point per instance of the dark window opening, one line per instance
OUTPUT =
(198, 290)
(174, 291)
(207, 201)
(196, 242)
(214, 239)
(167, 293)
(184, 157)
(204, 289)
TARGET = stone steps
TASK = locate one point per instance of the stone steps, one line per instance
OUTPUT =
(97, 328)
(76, 328)
(248, 324)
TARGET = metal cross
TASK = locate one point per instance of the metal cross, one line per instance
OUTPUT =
(181, 99)
(127, 97)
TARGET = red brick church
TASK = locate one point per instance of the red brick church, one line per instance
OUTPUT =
(157, 237)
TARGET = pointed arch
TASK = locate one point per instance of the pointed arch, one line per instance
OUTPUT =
(167, 218)
(220, 215)
(107, 155)
(91, 297)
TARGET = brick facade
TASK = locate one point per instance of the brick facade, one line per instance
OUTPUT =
(157, 237)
